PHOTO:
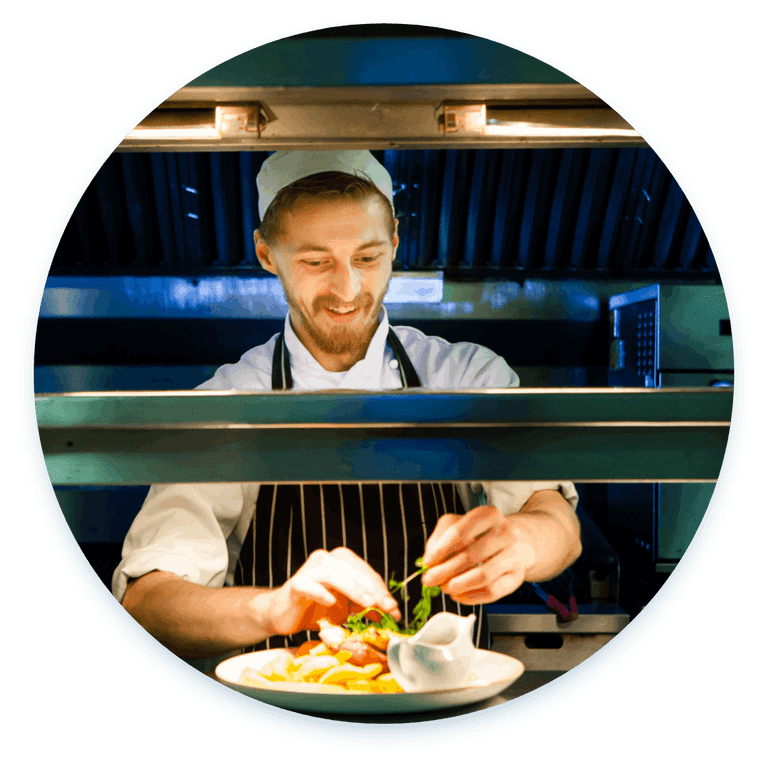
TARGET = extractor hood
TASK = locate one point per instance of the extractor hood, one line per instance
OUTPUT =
(503, 167)
(381, 92)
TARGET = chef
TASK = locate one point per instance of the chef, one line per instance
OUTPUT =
(211, 568)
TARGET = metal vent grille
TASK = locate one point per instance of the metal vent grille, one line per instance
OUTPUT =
(512, 212)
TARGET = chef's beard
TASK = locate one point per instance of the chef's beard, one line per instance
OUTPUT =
(341, 339)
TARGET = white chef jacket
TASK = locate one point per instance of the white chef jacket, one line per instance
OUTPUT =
(196, 530)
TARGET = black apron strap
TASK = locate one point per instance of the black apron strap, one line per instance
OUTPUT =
(281, 365)
(407, 371)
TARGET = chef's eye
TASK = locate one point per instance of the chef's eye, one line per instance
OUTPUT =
(369, 259)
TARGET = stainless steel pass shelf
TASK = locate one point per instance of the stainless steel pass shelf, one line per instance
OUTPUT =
(594, 618)
(584, 435)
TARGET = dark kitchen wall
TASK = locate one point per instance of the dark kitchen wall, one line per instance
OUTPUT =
(512, 213)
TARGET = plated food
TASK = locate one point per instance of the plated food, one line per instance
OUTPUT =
(352, 657)
(491, 674)
(345, 659)
(346, 671)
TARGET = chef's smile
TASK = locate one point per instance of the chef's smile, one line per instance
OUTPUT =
(334, 259)
(339, 315)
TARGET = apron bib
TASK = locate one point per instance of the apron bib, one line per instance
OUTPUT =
(386, 524)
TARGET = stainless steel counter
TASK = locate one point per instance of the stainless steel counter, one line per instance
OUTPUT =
(585, 435)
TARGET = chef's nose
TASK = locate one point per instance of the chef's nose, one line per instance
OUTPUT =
(346, 282)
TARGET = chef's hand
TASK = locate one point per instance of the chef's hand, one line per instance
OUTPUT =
(478, 557)
(329, 585)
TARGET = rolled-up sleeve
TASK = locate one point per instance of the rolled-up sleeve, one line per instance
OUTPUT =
(186, 529)
(509, 498)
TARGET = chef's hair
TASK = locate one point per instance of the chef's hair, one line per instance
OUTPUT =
(327, 185)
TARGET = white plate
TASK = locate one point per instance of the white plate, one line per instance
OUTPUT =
(492, 673)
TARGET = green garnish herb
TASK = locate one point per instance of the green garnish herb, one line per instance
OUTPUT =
(423, 608)
(358, 623)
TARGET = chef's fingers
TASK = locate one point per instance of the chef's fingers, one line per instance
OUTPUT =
(475, 554)
(461, 533)
(303, 585)
(350, 575)
(357, 562)
(444, 522)
(491, 578)
(343, 572)
(505, 585)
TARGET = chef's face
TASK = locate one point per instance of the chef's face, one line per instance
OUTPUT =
(334, 260)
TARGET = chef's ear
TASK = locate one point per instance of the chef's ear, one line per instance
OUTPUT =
(263, 253)
(395, 241)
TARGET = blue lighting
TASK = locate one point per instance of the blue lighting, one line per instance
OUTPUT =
(200, 297)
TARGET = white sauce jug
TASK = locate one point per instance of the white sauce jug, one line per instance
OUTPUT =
(439, 656)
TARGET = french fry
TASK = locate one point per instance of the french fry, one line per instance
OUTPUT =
(326, 669)
(249, 676)
(346, 672)
(268, 674)
(386, 683)
(279, 668)
(315, 666)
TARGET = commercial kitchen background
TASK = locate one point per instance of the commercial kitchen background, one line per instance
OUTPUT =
(155, 283)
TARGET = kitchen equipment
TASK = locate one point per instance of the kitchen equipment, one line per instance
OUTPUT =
(542, 642)
(404, 89)
(662, 337)
(559, 209)
(670, 336)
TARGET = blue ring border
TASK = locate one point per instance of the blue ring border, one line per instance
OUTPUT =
(384, 738)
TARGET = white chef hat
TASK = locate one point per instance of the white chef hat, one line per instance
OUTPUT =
(283, 168)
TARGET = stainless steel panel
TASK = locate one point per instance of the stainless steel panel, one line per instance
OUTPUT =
(531, 93)
(574, 650)
(681, 509)
(705, 379)
(339, 93)
(689, 328)
(212, 296)
(361, 410)
(347, 124)
(412, 295)
(587, 623)
(581, 435)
